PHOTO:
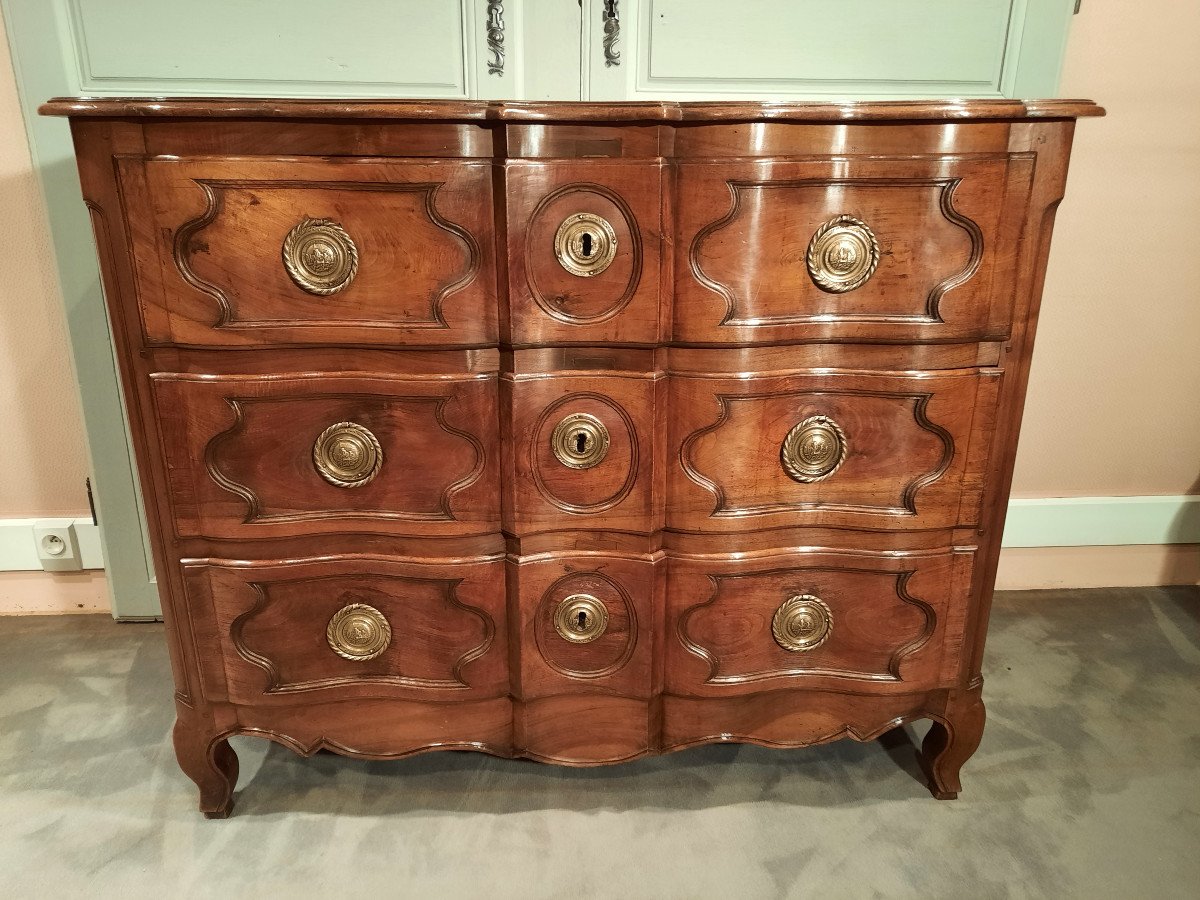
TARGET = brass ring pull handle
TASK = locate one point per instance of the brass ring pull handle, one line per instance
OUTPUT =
(842, 255)
(813, 450)
(580, 441)
(581, 618)
(320, 257)
(802, 622)
(347, 455)
(358, 632)
(585, 244)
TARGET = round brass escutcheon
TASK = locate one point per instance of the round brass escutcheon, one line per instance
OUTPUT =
(358, 632)
(802, 622)
(813, 450)
(842, 255)
(347, 455)
(580, 441)
(320, 257)
(585, 244)
(581, 618)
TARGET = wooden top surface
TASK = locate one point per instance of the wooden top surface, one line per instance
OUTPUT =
(655, 111)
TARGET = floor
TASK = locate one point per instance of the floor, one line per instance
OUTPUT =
(1087, 784)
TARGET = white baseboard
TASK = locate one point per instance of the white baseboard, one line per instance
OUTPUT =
(18, 551)
(1040, 522)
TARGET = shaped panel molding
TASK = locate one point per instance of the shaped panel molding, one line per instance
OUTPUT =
(269, 619)
(240, 452)
(904, 449)
(615, 490)
(405, 258)
(890, 616)
(618, 659)
(563, 290)
(936, 265)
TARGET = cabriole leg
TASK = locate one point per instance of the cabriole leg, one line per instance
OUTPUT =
(951, 740)
(211, 763)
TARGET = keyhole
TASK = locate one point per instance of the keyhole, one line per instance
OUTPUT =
(581, 442)
(582, 618)
(587, 244)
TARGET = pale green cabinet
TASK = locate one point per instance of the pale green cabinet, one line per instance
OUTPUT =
(827, 49)
(487, 49)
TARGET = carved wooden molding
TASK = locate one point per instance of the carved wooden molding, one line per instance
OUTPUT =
(722, 507)
(862, 731)
(560, 407)
(310, 746)
(931, 315)
(635, 251)
(899, 655)
(227, 314)
(254, 512)
(276, 686)
(551, 597)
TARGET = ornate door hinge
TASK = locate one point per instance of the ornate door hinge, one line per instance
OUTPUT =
(612, 33)
(495, 36)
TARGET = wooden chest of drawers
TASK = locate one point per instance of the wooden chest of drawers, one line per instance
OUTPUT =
(572, 432)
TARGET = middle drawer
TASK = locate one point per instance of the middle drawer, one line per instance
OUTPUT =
(880, 450)
(273, 455)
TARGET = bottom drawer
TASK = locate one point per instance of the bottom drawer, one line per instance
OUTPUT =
(873, 622)
(340, 627)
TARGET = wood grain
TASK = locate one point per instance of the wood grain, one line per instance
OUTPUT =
(894, 621)
(208, 237)
(266, 620)
(461, 343)
(239, 452)
(550, 305)
(908, 458)
(945, 233)
(466, 111)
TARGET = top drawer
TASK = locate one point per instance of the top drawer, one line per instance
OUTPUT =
(864, 248)
(253, 252)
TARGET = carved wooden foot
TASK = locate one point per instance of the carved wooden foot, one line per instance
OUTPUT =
(211, 763)
(950, 742)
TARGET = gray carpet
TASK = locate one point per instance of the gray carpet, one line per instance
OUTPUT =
(1087, 784)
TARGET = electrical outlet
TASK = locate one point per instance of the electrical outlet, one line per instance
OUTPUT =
(57, 545)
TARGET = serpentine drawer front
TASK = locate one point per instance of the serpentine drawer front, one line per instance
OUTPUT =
(252, 252)
(572, 432)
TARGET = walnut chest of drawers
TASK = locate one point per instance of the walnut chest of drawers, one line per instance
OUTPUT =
(567, 431)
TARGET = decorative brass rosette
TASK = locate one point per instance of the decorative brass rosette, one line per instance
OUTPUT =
(814, 449)
(842, 255)
(347, 455)
(580, 441)
(585, 244)
(581, 618)
(320, 257)
(802, 622)
(358, 632)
